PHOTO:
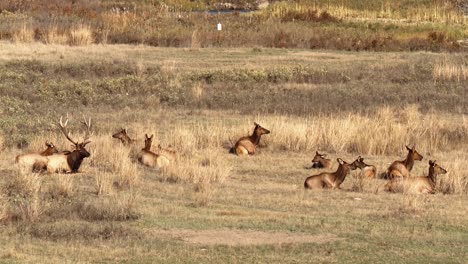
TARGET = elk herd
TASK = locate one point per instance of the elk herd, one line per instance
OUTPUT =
(398, 173)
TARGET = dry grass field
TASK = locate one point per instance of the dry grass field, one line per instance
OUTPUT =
(210, 206)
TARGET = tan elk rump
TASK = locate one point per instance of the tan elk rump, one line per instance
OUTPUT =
(421, 184)
(330, 180)
(248, 145)
(27, 161)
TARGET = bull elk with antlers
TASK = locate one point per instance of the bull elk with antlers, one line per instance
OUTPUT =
(70, 161)
(28, 160)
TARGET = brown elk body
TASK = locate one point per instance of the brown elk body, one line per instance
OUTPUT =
(330, 180)
(402, 168)
(169, 152)
(367, 171)
(69, 161)
(248, 145)
(421, 184)
(122, 135)
(319, 161)
(28, 160)
(150, 158)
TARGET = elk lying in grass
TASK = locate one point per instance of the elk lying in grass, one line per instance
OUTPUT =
(248, 145)
(69, 161)
(28, 160)
(327, 180)
(367, 171)
(422, 184)
(169, 152)
(122, 135)
(319, 161)
(402, 168)
(149, 158)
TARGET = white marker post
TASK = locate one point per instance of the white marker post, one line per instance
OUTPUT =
(219, 27)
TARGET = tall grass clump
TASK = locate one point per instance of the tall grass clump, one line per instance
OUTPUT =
(204, 171)
(23, 194)
(447, 71)
(23, 34)
(111, 157)
(80, 35)
(383, 133)
(456, 179)
(55, 36)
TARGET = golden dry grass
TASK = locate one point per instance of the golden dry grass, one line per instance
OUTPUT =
(80, 35)
(447, 71)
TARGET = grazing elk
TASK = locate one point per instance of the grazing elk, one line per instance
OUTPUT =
(28, 160)
(122, 135)
(421, 184)
(367, 171)
(69, 161)
(319, 161)
(402, 168)
(333, 180)
(149, 158)
(248, 145)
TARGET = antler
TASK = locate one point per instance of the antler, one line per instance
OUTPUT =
(63, 128)
(88, 134)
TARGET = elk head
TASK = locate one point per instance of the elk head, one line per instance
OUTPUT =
(78, 153)
(51, 149)
(413, 153)
(435, 169)
(122, 135)
(259, 130)
(318, 157)
(359, 163)
(148, 142)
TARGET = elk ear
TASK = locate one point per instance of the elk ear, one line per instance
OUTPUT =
(407, 147)
(125, 130)
(432, 162)
(340, 161)
(146, 136)
(256, 124)
(316, 153)
(151, 136)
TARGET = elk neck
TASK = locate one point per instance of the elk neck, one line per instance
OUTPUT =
(47, 152)
(409, 161)
(74, 160)
(255, 138)
(341, 172)
(432, 175)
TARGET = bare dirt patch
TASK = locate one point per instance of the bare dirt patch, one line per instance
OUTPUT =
(243, 238)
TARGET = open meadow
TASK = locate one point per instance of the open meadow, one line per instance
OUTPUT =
(372, 78)
(212, 206)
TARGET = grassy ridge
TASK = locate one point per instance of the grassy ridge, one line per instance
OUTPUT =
(343, 25)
